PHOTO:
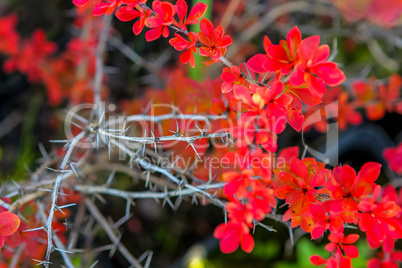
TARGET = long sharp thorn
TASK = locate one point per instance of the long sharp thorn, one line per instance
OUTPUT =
(66, 206)
(194, 200)
(199, 129)
(248, 71)
(143, 255)
(57, 171)
(73, 168)
(192, 145)
(170, 203)
(124, 132)
(210, 174)
(265, 76)
(42, 262)
(34, 229)
(147, 179)
(154, 141)
(143, 150)
(128, 207)
(43, 151)
(63, 250)
(108, 148)
(58, 141)
(111, 177)
(148, 261)
(94, 264)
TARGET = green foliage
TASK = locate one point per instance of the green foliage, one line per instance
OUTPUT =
(198, 72)
(266, 250)
(304, 249)
(27, 144)
(364, 254)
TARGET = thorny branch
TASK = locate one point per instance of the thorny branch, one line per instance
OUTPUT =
(56, 187)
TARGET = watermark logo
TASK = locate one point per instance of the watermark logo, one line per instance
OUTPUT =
(132, 133)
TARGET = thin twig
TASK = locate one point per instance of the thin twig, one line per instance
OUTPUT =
(113, 237)
(99, 65)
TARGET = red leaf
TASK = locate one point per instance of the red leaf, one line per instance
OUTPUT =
(283, 192)
(350, 239)
(277, 52)
(306, 96)
(9, 223)
(369, 172)
(181, 7)
(207, 28)
(308, 47)
(295, 119)
(152, 22)
(321, 54)
(318, 212)
(288, 179)
(293, 39)
(13, 240)
(224, 42)
(330, 73)
(229, 243)
(298, 168)
(79, 3)
(125, 14)
(317, 260)
(153, 34)
(317, 232)
(196, 13)
(351, 251)
(345, 263)
(288, 153)
(256, 62)
(247, 243)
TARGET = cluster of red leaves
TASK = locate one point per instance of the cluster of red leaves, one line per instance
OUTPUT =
(14, 232)
(339, 245)
(35, 58)
(319, 200)
(9, 37)
(386, 14)
(335, 105)
(210, 42)
(394, 158)
(304, 61)
(381, 98)
(17, 235)
(251, 196)
(265, 108)
(9, 223)
(375, 97)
